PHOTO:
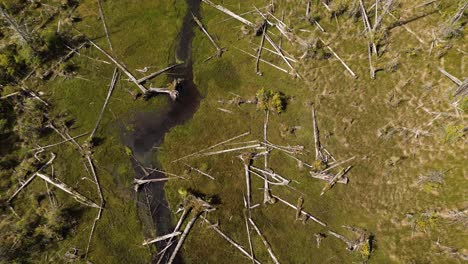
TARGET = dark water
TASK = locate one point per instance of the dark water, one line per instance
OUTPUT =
(150, 127)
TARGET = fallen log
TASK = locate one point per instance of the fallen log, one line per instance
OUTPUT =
(201, 172)
(341, 60)
(184, 235)
(265, 242)
(103, 20)
(249, 238)
(302, 211)
(172, 93)
(227, 238)
(335, 178)
(266, 187)
(215, 145)
(219, 50)
(257, 146)
(265, 61)
(318, 148)
(259, 52)
(101, 202)
(120, 66)
(161, 238)
(185, 212)
(328, 177)
(230, 13)
(78, 197)
(157, 73)
(115, 77)
(29, 180)
(280, 179)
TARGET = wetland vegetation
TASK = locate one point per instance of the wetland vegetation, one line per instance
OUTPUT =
(282, 131)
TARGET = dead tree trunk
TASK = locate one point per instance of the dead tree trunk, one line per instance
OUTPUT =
(23, 34)
(265, 242)
(219, 50)
(101, 202)
(341, 60)
(184, 235)
(115, 77)
(120, 66)
(29, 180)
(103, 20)
(302, 211)
(78, 197)
(318, 147)
(259, 52)
(176, 229)
(215, 145)
(232, 242)
(157, 73)
(230, 13)
(266, 186)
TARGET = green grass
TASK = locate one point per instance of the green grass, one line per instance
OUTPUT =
(350, 113)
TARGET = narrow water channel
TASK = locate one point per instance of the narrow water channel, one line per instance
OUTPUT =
(150, 127)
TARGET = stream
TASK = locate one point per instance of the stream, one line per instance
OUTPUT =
(151, 127)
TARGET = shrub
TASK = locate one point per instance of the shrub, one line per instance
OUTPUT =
(270, 100)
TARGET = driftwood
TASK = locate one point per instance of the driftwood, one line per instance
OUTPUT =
(215, 145)
(302, 211)
(232, 242)
(78, 197)
(29, 180)
(157, 73)
(265, 242)
(115, 77)
(219, 50)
